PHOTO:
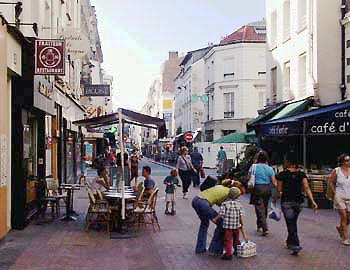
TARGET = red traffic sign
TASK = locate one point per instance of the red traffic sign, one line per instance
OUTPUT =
(188, 137)
(125, 138)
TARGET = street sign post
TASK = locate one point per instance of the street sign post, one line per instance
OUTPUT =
(188, 137)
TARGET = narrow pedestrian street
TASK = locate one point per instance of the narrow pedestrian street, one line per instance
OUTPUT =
(66, 245)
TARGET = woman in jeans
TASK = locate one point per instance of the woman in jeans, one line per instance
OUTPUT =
(203, 205)
(264, 179)
(290, 185)
(340, 185)
(185, 170)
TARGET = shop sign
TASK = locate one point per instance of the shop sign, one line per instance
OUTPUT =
(97, 90)
(49, 57)
(167, 104)
(167, 117)
(338, 123)
(77, 44)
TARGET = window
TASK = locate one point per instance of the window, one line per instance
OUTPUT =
(286, 80)
(209, 135)
(348, 78)
(260, 30)
(302, 75)
(261, 100)
(273, 30)
(274, 85)
(348, 44)
(208, 74)
(261, 73)
(229, 105)
(302, 4)
(348, 61)
(286, 20)
(227, 132)
(228, 68)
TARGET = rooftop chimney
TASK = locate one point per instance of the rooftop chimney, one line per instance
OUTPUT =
(173, 55)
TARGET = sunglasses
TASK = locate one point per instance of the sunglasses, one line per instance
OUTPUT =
(347, 159)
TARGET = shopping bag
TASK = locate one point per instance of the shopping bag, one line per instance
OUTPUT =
(275, 213)
(251, 182)
(202, 172)
(246, 249)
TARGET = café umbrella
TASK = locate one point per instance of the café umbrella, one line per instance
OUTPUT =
(121, 117)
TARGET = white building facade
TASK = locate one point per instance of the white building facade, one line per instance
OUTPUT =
(190, 97)
(303, 50)
(235, 81)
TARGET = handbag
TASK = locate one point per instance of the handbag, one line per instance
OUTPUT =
(275, 212)
(251, 182)
(202, 172)
(246, 249)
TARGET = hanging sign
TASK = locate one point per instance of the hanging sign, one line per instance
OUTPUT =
(77, 44)
(49, 57)
(97, 90)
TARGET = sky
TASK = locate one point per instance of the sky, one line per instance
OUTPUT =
(136, 36)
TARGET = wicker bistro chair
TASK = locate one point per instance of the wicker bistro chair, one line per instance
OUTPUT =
(98, 212)
(53, 197)
(146, 213)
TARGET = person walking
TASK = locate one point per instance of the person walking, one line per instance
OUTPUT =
(261, 193)
(290, 186)
(203, 205)
(127, 167)
(197, 161)
(221, 157)
(185, 170)
(340, 185)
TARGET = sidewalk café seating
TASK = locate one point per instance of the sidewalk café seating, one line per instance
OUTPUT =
(138, 200)
(52, 197)
(98, 212)
(146, 213)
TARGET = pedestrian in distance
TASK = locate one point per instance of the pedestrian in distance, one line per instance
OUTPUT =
(232, 214)
(221, 157)
(83, 170)
(197, 161)
(261, 193)
(339, 183)
(170, 183)
(127, 167)
(203, 205)
(291, 183)
(185, 170)
(134, 163)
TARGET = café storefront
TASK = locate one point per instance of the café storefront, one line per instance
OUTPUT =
(316, 137)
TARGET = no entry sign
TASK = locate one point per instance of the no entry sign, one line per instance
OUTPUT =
(49, 57)
(188, 137)
(125, 138)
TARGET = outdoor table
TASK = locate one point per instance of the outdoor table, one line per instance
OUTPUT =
(69, 203)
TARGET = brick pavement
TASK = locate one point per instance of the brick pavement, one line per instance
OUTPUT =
(61, 245)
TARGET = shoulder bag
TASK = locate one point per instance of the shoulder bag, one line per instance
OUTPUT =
(251, 182)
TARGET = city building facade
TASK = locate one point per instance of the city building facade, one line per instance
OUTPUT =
(302, 60)
(235, 81)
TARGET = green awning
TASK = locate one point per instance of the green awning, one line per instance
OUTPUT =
(264, 117)
(234, 137)
(292, 109)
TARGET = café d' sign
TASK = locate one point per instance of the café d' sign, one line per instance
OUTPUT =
(328, 120)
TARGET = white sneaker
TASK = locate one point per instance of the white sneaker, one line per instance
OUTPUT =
(346, 242)
(185, 196)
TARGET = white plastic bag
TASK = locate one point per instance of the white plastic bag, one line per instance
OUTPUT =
(275, 212)
(251, 182)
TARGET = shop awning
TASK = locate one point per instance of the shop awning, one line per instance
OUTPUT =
(328, 120)
(234, 137)
(292, 109)
(128, 116)
(264, 117)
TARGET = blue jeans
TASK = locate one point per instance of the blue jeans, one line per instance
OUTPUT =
(291, 211)
(205, 213)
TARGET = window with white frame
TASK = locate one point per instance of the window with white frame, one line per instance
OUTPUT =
(302, 6)
(229, 99)
(286, 20)
(261, 100)
(229, 68)
(302, 75)
(274, 85)
(273, 30)
(286, 80)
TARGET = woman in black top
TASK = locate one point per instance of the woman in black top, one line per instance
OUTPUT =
(290, 185)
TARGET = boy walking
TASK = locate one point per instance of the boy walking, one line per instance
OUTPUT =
(170, 182)
(231, 212)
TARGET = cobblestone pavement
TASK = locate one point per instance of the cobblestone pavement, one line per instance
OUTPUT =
(62, 245)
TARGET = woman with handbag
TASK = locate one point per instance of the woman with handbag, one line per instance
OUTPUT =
(263, 177)
(290, 186)
(339, 183)
(185, 170)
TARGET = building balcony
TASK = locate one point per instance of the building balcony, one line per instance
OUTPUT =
(229, 114)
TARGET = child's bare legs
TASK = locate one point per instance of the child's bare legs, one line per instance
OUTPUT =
(173, 212)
